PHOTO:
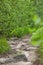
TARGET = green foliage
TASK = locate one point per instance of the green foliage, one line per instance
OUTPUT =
(36, 19)
(20, 31)
(40, 52)
(39, 6)
(16, 13)
(21, 17)
(37, 39)
(19, 13)
(4, 47)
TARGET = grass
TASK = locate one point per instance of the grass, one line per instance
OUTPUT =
(4, 46)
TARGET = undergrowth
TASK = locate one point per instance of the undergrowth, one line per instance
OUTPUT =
(4, 46)
(37, 40)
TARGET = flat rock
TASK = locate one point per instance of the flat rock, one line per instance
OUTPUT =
(25, 40)
(31, 56)
(19, 63)
(11, 42)
(31, 48)
(5, 60)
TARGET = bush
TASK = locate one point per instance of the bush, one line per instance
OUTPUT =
(37, 36)
(40, 52)
(20, 31)
(15, 13)
(19, 13)
(4, 47)
(37, 40)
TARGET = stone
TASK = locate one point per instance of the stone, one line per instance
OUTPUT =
(5, 60)
(31, 48)
(11, 42)
(2, 60)
(23, 63)
(25, 40)
(30, 55)
(12, 46)
(19, 46)
(20, 63)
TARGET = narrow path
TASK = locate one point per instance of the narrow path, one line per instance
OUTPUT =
(22, 52)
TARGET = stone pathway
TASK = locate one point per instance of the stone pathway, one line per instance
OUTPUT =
(22, 52)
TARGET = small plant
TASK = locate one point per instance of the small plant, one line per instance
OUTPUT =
(4, 47)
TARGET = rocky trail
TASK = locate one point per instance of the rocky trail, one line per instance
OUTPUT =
(22, 52)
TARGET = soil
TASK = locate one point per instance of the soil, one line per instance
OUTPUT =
(21, 51)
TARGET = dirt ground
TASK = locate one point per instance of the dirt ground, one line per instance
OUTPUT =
(22, 52)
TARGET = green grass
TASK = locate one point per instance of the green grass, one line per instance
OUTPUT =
(4, 47)
(20, 31)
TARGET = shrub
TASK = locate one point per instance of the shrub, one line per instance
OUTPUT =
(15, 13)
(20, 31)
(4, 47)
(40, 52)
(37, 39)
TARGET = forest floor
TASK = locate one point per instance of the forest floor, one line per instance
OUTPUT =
(22, 52)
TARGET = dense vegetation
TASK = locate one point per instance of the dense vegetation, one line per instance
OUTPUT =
(18, 14)
(37, 40)
(21, 17)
